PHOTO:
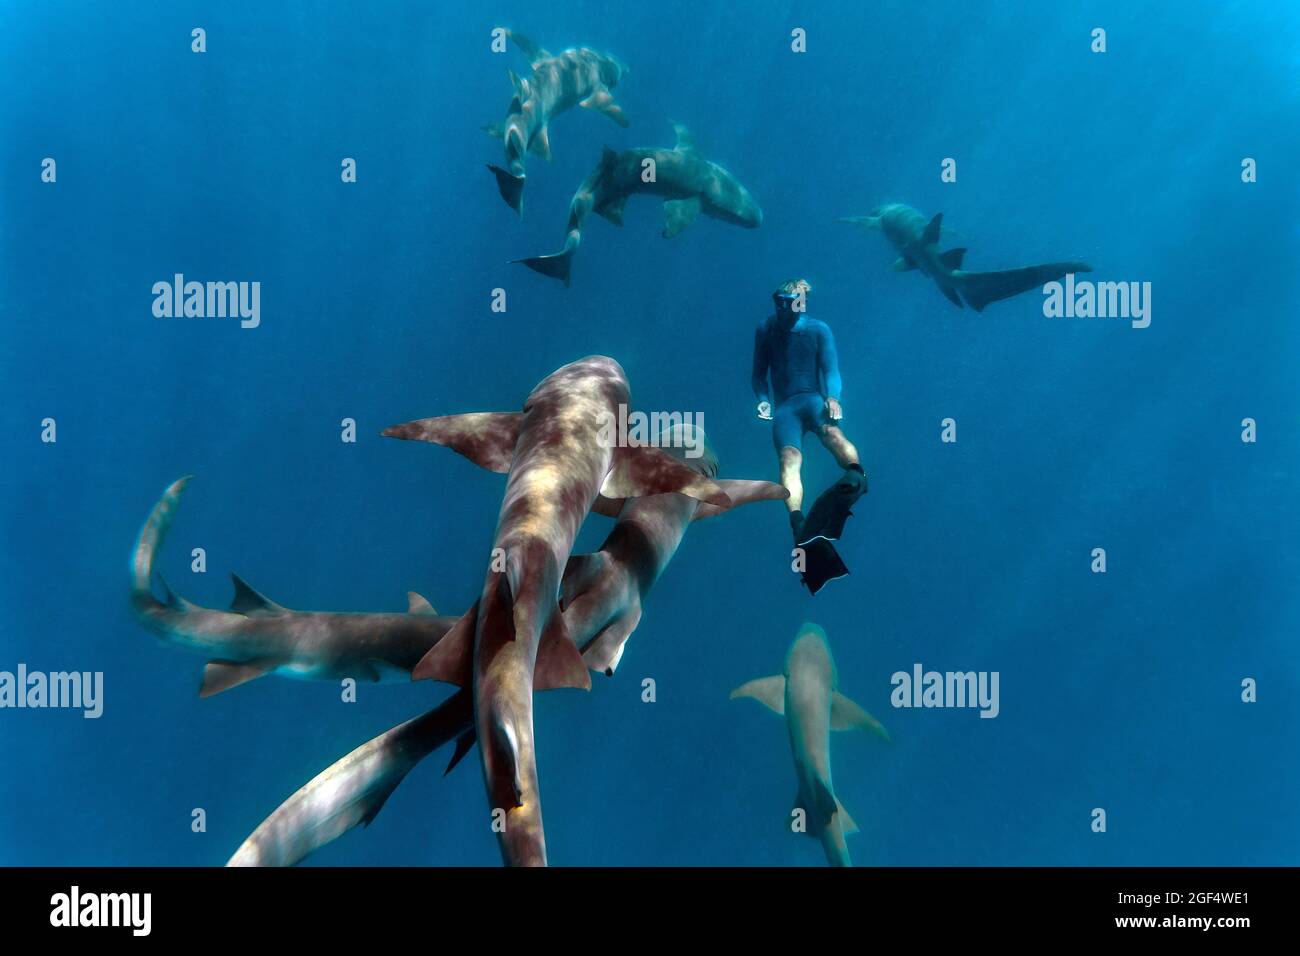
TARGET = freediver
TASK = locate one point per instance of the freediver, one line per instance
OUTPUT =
(799, 353)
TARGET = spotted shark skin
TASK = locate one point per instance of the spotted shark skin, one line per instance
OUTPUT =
(257, 636)
(576, 77)
(689, 184)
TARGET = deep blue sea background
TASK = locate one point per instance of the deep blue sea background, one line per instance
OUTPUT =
(1119, 691)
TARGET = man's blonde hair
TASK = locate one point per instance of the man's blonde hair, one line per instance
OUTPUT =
(793, 287)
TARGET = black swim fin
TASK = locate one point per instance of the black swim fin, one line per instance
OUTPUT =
(822, 564)
(832, 508)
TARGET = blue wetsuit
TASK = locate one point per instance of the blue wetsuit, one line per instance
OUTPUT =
(805, 371)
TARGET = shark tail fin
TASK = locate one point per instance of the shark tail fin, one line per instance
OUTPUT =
(556, 266)
(981, 288)
(511, 188)
(150, 541)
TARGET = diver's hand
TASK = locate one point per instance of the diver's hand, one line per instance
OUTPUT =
(765, 411)
(833, 410)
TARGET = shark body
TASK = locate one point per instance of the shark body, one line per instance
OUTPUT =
(559, 460)
(577, 77)
(917, 243)
(603, 594)
(806, 694)
(257, 636)
(689, 183)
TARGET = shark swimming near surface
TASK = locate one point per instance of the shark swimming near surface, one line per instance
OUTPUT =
(513, 641)
(577, 77)
(806, 694)
(689, 183)
(257, 636)
(602, 597)
(917, 243)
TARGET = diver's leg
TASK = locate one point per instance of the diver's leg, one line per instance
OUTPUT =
(838, 444)
(791, 463)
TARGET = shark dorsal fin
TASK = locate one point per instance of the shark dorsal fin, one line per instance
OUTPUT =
(173, 600)
(931, 235)
(248, 602)
(415, 604)
(685, 141)
(952, 258)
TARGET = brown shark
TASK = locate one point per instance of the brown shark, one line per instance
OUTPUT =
(559, 459)
(603, 596)
(577, 77)
(689, 183)
(257, 636)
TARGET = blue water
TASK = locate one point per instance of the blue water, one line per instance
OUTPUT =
(1118, 690)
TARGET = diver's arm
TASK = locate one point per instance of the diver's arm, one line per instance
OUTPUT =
(758, 380)
(830, 364)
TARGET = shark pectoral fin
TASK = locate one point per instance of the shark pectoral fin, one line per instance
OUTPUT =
(768, 691)
(643, 470)
(249, 603)
(223, 675)
(464, 744)
(742, 491)
(952, 258)
(558, 662)
(602, 101)
(541, 144)
(418, 605)
(485, 438)
(903, 264)
(846, 821)
(606, 648)
(932, 231)
(451, 659)
(678, 214)
(579, 574)
(847, 715)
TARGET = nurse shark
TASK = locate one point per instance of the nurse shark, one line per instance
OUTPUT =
(577, 77)
(602, 598)
(257, 636)
(559, 460)
(806, 694)
(917, 243)
(689, 183)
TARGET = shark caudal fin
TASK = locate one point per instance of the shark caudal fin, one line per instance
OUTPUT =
(150, 541)
(511, 188)
(981, 288)
(556, 266)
